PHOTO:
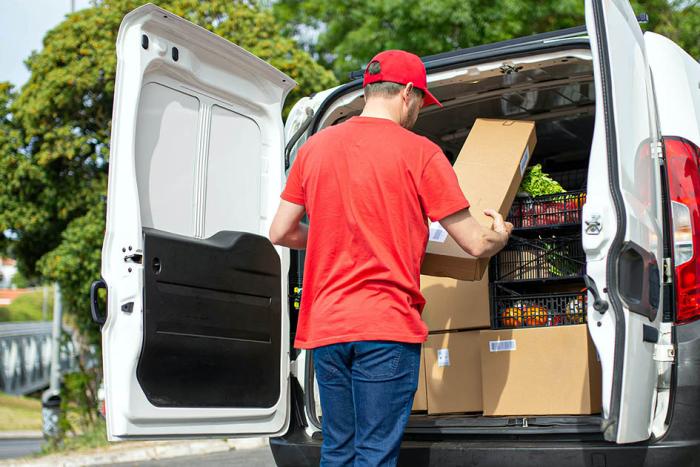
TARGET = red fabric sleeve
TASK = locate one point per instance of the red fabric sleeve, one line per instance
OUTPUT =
(439, 190)
(293, 190)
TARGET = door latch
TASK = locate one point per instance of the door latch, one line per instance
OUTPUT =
(134, 258)
(593, 225)
(664, 353)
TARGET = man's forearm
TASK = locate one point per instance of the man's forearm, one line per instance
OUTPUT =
(295, 239)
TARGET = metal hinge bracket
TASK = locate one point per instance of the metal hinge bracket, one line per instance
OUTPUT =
(657, 150)
(664, 353)
(668, 271)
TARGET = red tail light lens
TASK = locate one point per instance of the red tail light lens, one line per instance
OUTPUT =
(683, 169)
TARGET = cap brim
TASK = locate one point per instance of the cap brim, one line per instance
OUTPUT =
(429, 99)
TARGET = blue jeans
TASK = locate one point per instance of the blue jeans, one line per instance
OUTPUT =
(366, 391)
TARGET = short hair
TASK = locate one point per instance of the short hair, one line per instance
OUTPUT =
(385, 88)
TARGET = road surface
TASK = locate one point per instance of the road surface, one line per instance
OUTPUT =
(10, 448)
(259, 457)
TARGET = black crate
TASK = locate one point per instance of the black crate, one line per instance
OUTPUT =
(557, 210)
(542, 258)
(571, 179)
(527, 311)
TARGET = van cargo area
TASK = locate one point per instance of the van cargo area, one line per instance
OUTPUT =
(556, 91)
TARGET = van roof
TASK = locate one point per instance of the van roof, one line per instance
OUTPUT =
(442, 59)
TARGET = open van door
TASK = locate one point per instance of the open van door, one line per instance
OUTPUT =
(196, 337)
(623, 228)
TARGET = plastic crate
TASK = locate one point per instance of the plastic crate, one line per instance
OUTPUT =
(526, 311)
(547, 211)
(543, 258)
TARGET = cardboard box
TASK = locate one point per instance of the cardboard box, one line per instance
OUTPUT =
(489, 168)
(453, 372)
(540, 371)
(420, 400)
(452, 304)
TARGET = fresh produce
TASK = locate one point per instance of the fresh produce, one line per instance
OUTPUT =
(511, 317)
(535, 315)
(537, 183)
(576, 311)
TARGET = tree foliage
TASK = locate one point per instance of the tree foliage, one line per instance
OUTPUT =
(54, 135)
(345, 35)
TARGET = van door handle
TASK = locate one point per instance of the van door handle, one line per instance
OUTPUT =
(97, 316)
(599, 305)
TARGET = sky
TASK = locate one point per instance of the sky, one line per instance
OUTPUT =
(23, 24)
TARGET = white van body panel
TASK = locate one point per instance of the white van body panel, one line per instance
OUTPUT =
(621, 68)
(196, 148)
(677, 87)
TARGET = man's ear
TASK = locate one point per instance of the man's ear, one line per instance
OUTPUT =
(406, 92)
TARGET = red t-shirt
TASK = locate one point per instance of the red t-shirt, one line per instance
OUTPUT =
(368, 185)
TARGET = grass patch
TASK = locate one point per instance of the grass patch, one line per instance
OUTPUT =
(27, 307)
(96, 437)
(19, 413)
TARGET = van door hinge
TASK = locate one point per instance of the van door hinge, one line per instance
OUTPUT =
(668, 271)
(664, 353)
(294, 369)
(657, 150)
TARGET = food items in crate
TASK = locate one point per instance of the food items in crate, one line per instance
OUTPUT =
(576, 311)
(537, 183)
(535, 315)
(511, 317)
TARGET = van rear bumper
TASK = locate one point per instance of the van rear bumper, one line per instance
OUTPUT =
(291, 451)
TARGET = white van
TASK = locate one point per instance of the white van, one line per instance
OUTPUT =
(201, 315)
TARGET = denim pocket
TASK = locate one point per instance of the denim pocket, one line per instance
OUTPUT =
(378, 360)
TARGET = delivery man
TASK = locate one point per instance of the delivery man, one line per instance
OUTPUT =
(368, 186)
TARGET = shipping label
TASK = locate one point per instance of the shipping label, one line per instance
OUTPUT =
(443, 357)
(437, 233)
(524, 160)
(502, 346)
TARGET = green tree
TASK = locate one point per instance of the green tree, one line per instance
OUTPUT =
(345, 35)
(54, 136)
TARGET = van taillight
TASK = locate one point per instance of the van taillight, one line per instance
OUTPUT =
(683, 169)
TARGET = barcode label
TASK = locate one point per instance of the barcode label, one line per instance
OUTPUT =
(437, 233)
(524, 160)
(443, 357)
(502, 346)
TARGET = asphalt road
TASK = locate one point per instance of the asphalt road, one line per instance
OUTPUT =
(260, 457)
(10, 448)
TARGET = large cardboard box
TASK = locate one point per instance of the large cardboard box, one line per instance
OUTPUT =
(540, 371)
(452, 304)
(489, 168)
(420, 400)
(453, 372)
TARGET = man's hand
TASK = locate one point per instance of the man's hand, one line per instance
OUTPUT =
(499, 225)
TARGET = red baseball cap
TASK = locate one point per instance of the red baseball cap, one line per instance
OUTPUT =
(400, 67)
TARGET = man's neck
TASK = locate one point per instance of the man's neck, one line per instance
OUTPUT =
(379, 109)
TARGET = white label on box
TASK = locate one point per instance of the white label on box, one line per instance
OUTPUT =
(524, 160)
(502, 346)
(443, 357)
(437, 233)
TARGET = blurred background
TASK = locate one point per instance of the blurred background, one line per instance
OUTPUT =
(57, 68)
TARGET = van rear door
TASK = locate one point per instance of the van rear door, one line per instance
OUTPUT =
(196, 338)
(623, 228)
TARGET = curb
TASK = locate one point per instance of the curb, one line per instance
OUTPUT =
(140, 452)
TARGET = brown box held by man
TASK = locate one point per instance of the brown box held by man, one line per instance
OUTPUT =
(489, 168)
(540, 371)
(420, 400)
(453, 372)
(452, 304)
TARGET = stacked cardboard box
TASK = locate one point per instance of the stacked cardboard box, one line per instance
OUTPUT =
(489, 168)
